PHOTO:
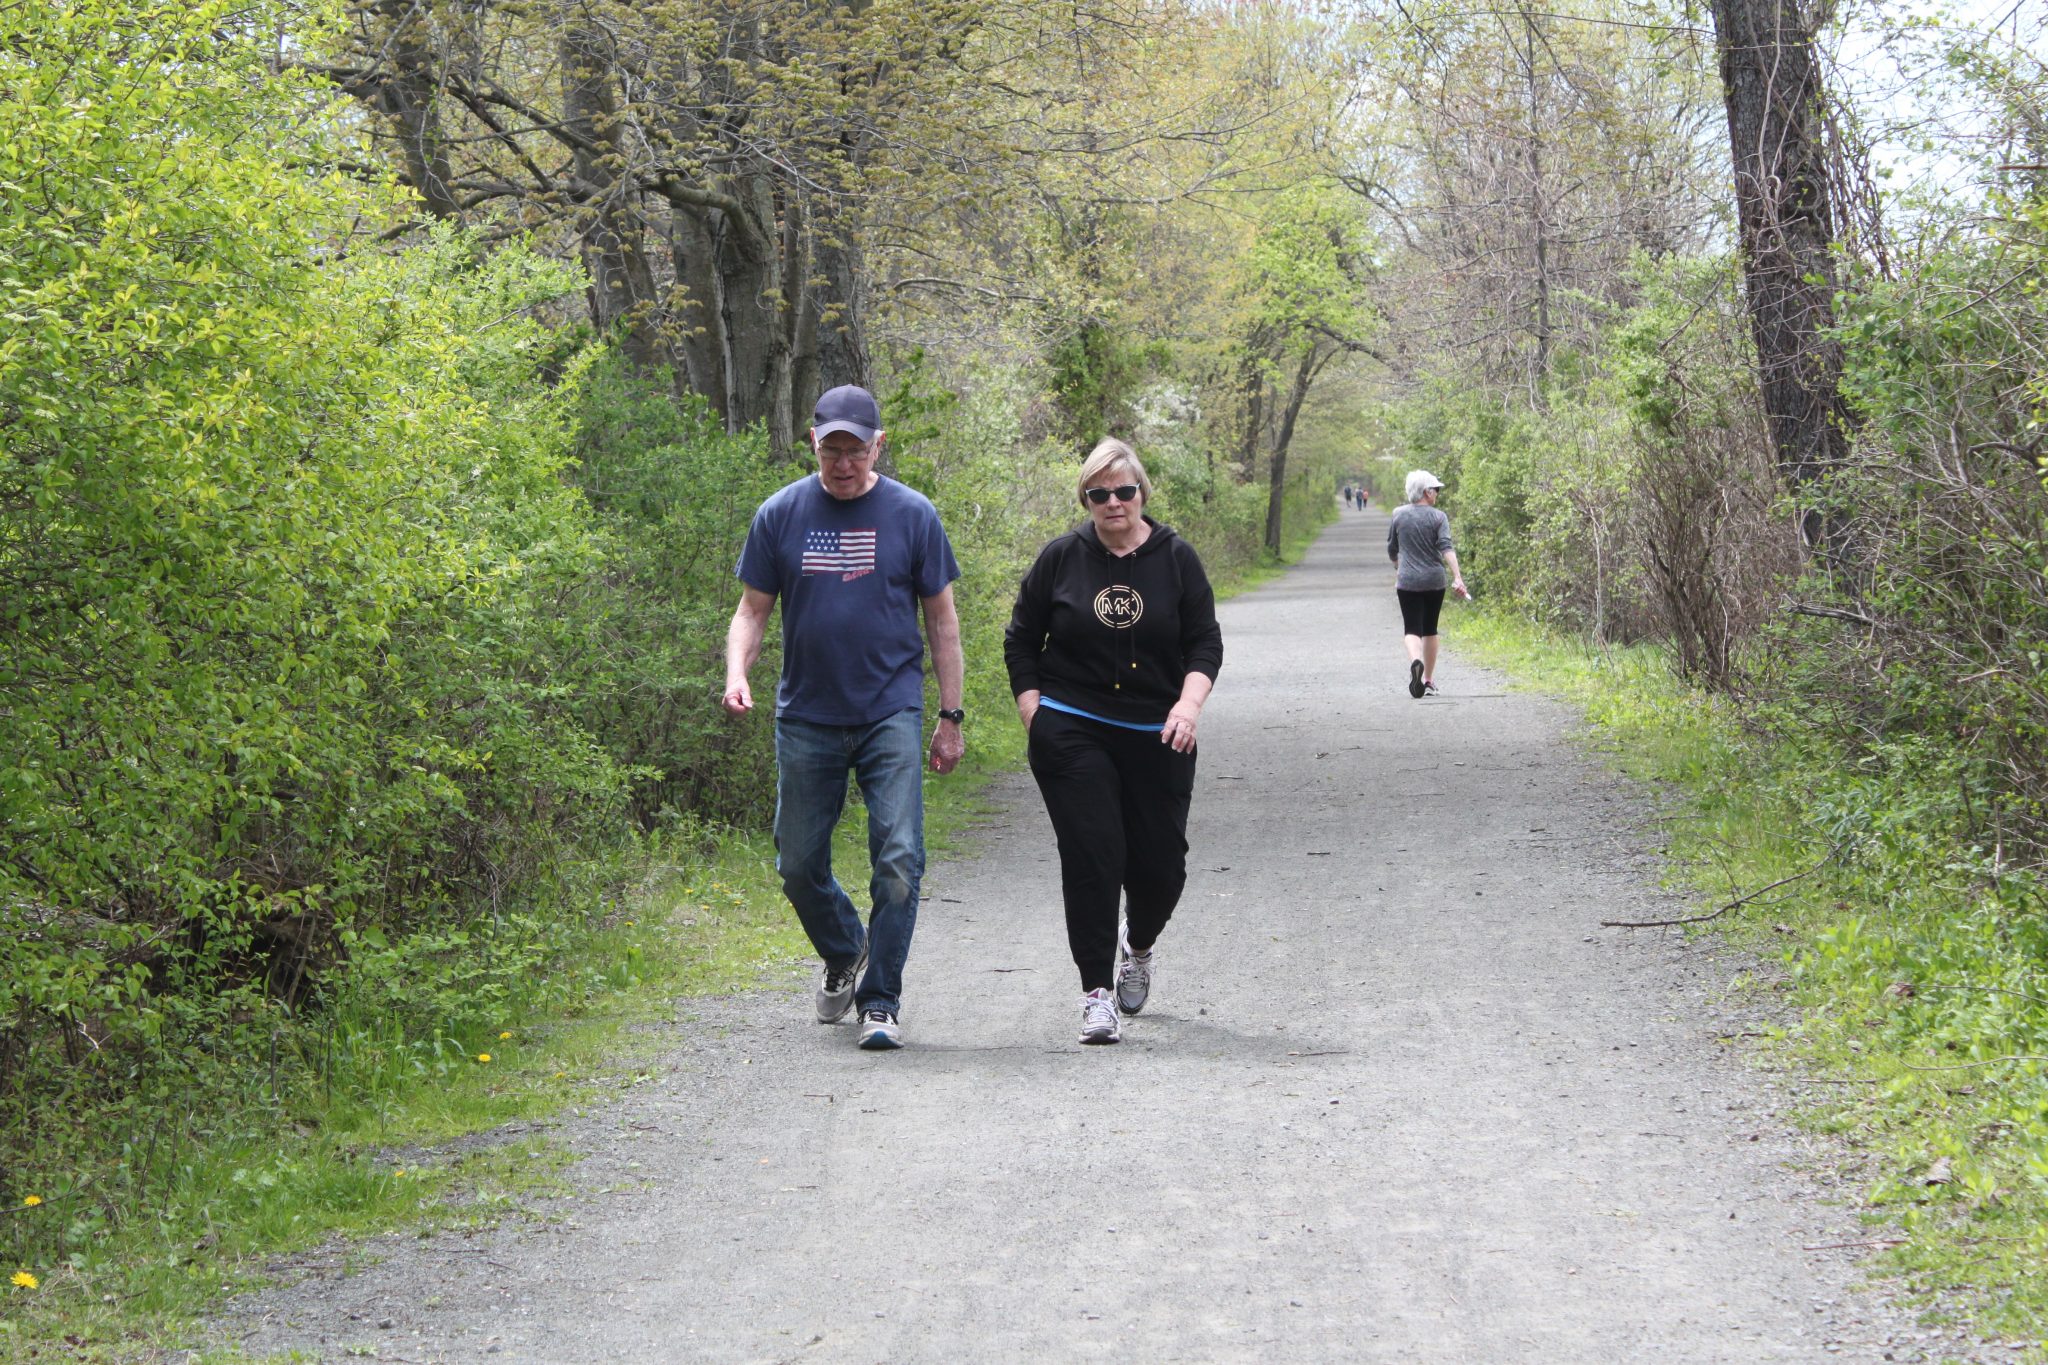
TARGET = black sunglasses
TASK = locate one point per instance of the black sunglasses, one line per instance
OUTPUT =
(1124, 493)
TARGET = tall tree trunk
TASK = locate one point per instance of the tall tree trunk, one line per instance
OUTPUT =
(1276, 477)
(407, 96)
(693, 239)
(1253, 380)
(1539, 370)
(806, 379)
(840, 286)
(1771, 85)
(755, 294)
(615, 227)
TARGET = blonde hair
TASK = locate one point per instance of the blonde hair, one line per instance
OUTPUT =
(1110, 453)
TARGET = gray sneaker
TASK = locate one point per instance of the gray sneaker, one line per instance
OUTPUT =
(1098, 1018)
(879, 1030)
(1133, 973)
(835, 991)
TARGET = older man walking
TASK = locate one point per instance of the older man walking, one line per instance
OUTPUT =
(854, 557)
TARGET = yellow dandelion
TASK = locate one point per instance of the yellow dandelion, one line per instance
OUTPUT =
(629, 924)
(560, 1075)
(503, 1036)
(398, 1174)
(31, 1201)
(24, 1280)
(483, 1056)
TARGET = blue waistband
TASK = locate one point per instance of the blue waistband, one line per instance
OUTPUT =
(1153, 728)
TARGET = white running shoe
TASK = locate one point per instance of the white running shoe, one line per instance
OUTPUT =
(879, 1031)
(1098, 1018)
(1133, 973)
(835, 990)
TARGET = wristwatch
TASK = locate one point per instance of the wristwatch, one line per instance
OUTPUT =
(956, 715)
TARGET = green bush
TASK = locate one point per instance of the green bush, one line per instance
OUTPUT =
(277, 527)
(673, 495)
(1947, 597)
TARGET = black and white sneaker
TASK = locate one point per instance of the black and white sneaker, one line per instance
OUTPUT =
(835, 990)
(1415, 677)
(1133, 972)
(879, 1031)
(1098, 1018)
(1429, 689)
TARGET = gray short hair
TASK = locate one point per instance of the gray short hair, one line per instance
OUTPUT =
(1110, 453)
(1420, 481)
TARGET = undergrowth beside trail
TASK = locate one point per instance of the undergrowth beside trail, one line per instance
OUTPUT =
(1914, 963)
(365, 1137)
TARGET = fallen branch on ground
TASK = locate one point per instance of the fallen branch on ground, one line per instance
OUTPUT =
(1735, 904)
(1873, 1242)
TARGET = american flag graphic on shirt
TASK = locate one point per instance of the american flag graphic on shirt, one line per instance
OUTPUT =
(846, 553)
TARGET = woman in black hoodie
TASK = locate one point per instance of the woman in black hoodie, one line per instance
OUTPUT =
(1112, 649)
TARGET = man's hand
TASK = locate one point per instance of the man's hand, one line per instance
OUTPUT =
(1027, 706)
(947, 746)
(743, 647)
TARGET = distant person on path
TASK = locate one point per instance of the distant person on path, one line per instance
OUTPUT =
(1419, 543)
(1112, 649)
(854, 556)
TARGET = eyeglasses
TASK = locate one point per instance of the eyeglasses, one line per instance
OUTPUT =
(1122, 493)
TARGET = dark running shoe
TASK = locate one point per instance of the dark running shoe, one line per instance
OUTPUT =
(1415, 677)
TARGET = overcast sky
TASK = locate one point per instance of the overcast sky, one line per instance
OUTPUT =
(1933, 128)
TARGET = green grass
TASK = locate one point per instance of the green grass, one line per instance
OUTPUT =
(1912, 967)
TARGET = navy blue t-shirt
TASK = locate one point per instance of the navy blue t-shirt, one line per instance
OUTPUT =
(851, 575)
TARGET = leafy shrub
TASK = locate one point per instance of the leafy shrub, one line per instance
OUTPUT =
(276, 528)
(672, 494)
(1942, 626)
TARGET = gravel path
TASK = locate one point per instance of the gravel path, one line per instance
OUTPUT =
(1398, 1098)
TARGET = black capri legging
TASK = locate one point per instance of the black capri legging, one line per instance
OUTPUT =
(1419, 609)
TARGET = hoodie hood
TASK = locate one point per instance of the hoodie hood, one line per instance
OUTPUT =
(1162, 535)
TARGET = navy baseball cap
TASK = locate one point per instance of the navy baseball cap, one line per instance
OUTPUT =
(847, 408)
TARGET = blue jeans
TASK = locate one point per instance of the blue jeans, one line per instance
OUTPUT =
(811, 764)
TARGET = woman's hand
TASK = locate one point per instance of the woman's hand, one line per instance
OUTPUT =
(1027, 706)
(1459, 586)
(1179, 730)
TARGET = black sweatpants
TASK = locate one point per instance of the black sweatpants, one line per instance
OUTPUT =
(1119, 803)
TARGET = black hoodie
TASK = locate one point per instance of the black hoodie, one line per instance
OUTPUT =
(1115, 636)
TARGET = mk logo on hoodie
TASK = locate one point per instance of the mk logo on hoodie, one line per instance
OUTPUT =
(1119, 607)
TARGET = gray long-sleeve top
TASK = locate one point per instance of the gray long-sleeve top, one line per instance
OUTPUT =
(1418, 538)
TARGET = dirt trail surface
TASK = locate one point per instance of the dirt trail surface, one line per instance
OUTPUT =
(1397, 1097)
